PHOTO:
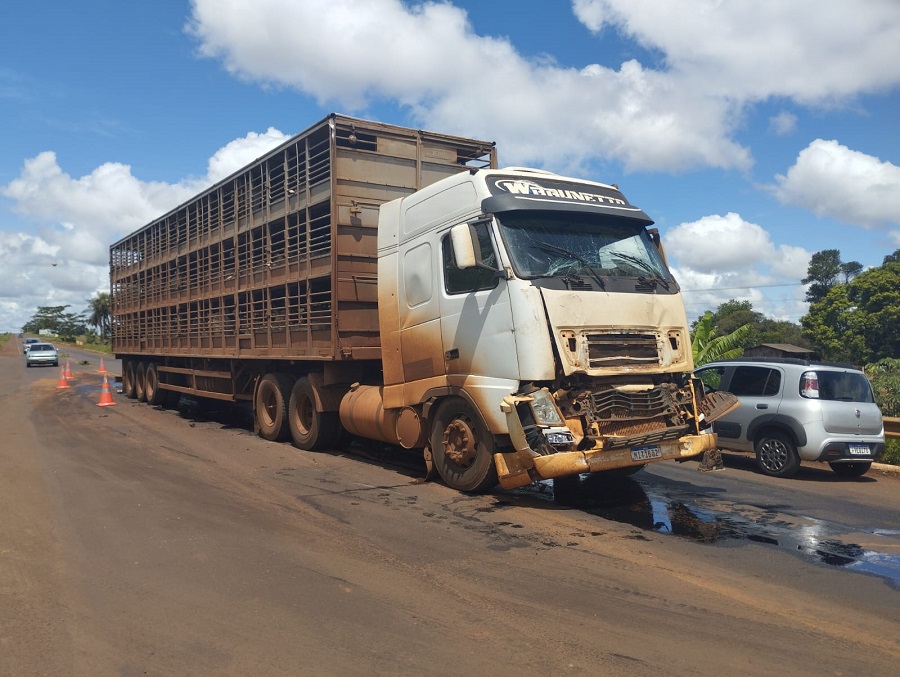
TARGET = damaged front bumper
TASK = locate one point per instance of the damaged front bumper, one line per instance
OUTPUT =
(525, 465)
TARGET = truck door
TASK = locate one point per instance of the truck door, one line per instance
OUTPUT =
(476, 319)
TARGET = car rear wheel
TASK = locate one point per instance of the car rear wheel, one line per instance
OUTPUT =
(852, 469)
(776, 455)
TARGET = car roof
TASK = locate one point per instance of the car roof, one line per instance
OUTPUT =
(798, 361)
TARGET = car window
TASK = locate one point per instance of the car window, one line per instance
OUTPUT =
(844, 386)
(711, 377)
(755, 381)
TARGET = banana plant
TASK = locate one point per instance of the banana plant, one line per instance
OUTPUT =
(707, 347)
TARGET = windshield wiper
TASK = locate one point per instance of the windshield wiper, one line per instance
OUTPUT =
(643, 265)
(553, 249)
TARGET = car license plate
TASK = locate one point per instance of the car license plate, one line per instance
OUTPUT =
(859, 449)
(645, 453)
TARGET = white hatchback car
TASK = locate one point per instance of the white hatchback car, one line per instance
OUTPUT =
(793, 410)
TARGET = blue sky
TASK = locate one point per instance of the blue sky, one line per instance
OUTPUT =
(754, 133)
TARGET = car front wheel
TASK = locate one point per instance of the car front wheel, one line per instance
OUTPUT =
(776, 455)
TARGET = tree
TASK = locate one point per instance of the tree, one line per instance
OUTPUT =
(707, 347)
(892, 258)
(46, 317)
(858, 322)
(56, 320)
(99, 310)
(779, 331)
(821, 274)
(733, 314)
(850, 270)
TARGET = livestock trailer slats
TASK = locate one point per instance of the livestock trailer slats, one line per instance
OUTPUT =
(279, 259)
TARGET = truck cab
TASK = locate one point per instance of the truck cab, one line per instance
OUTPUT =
(533, 319)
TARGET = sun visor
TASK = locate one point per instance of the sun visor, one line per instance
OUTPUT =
(509, 193)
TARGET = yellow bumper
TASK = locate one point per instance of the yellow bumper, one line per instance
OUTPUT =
(524, 466)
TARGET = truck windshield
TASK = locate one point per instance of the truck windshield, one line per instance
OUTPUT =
(558, 244)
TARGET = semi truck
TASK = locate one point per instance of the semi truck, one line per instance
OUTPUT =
(371, 281)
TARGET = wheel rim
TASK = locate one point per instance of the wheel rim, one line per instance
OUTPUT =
(773, 455)
(459, 442)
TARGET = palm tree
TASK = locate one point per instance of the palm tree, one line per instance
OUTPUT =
(99, 308)
(707, 347)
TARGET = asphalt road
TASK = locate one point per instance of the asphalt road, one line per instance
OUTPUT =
(142, 541)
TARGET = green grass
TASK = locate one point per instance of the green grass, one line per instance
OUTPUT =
(891, 452)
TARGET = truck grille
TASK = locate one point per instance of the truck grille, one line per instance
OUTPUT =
(613, 350)
(630, 418)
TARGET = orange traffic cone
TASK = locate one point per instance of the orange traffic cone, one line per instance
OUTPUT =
(63, 383)
(68, 371)
(102, 369)
(106, 399)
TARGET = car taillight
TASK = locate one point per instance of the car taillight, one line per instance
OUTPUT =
(809, 384)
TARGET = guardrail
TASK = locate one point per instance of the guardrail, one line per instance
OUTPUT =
(892, 427)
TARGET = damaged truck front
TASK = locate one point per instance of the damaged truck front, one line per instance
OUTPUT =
(563, 335)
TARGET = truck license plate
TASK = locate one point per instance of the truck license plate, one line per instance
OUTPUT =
(859, 449)
(646, 453)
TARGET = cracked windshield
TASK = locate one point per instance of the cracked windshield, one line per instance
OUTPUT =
(543, 244)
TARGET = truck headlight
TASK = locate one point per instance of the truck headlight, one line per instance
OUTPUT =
(544, 409)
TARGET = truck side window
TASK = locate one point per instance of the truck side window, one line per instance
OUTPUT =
(458, 281)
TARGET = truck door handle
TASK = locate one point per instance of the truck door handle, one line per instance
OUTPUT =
(452, 354)
(762, 406)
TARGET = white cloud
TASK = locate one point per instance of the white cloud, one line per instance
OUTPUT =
(783, 124)
(718, 258)
(63, 259)
(427, 58)
(807, 50)
(241, 152)
(719, 57)
(831, 180)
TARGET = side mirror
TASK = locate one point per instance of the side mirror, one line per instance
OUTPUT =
(462, 241)
(657, 242)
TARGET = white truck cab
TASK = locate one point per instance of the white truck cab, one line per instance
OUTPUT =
(533, 319)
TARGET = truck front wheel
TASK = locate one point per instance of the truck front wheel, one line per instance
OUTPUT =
(311, 430)
(462, 448)
(272, 397)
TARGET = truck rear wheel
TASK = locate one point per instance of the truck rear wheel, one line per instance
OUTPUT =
(140, 382)
(311, 430)
(272, 397)
(154, 394)
(462, 448)
(128, 380)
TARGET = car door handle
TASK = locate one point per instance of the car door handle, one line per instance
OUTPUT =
(762, 406)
